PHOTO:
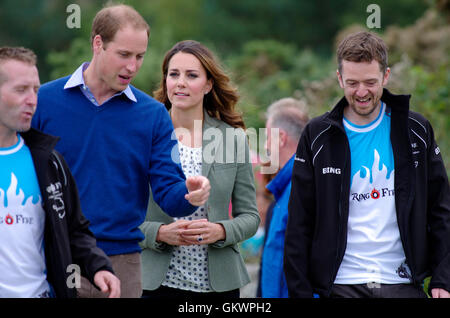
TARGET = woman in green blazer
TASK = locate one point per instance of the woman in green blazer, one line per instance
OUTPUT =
(198, 255)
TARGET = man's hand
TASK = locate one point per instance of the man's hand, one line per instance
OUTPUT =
(198, 188)
(440, 293)
(108, 283)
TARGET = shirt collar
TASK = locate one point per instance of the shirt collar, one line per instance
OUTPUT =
(77, 79)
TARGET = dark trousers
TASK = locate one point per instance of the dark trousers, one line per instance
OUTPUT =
(375, 290)
(164, 292)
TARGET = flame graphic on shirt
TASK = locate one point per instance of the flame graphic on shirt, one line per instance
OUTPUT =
(15, 201)
(372, 175)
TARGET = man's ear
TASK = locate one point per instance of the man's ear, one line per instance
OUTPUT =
(97, 44)
(386, 76)
(283, 137)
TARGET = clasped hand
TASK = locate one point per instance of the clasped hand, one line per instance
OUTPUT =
(196, 232)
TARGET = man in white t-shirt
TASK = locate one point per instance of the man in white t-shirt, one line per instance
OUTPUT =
(369, 211)
(44, 237)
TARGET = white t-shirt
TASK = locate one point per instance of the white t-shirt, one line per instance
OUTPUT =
(22, 220)
(374, 251)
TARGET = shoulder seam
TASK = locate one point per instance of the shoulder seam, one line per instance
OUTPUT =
(421, 125)
(60, 165)
(315, 139)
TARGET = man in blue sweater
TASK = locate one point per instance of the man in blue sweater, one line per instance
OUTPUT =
(286, 115)
(117, 141)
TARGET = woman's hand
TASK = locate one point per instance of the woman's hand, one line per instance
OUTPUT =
(202, 232)
(171, 233)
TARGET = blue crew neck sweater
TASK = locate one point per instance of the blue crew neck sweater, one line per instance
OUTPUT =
(114, 152)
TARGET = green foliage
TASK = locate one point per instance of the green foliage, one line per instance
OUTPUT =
(65, 62)
(291, 21)
(272, 49)
(426, 286)
(426, 42)
(227, 25)
(431, 98)
(267, 70)
(422, 68)
(35, 24)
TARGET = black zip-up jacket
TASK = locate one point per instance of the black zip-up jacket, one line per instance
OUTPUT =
(316, 234)
(67, 239)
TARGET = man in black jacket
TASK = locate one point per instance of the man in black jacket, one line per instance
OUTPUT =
(369, 210)
(46, 244)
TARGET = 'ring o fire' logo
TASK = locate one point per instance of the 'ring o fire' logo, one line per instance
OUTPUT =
(9, 219)
(11, 213)
(375, 194)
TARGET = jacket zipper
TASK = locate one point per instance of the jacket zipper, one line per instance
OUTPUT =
(338, 240)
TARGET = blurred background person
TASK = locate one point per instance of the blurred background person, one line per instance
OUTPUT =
(289, 117)
(251, 249)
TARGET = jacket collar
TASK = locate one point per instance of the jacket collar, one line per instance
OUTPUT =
(37, 139)
(210, 123)
(282, 179)
(397, 103)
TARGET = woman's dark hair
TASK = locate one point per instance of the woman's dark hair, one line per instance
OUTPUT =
(221, 101)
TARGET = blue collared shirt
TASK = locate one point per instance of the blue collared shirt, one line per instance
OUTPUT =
(77, 80)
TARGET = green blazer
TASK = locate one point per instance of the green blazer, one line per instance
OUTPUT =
(231, 177)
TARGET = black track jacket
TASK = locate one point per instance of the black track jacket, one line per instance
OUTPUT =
(67, 239)
(316, 234)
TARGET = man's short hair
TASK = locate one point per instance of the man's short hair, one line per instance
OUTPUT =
(288, 114)
(15, 53)
(112, 18)
(363, 46)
